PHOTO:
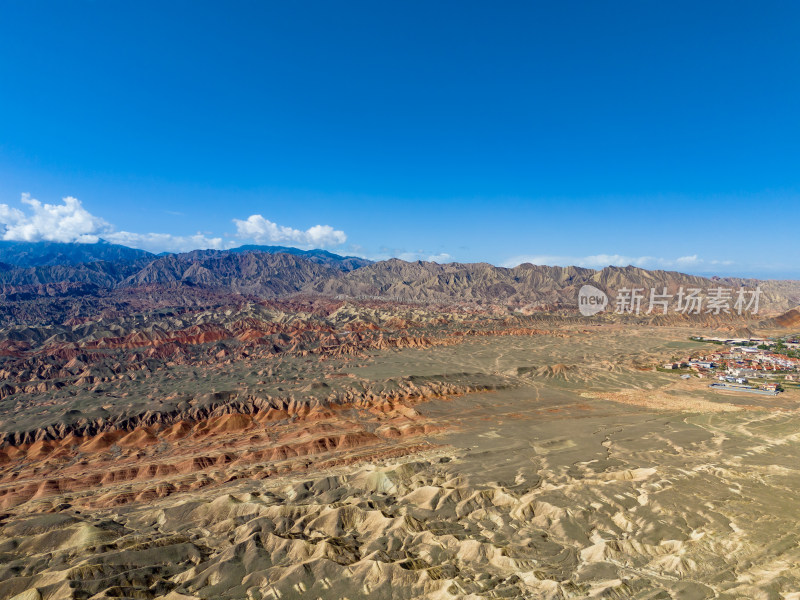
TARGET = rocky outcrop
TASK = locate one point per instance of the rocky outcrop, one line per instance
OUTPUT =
(790, 318)
(218, 404)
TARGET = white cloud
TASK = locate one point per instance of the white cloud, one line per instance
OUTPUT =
(264, 231)
(599, 261)
(65, 222)
(688, 260)
(71, 222)
(442, 257)
(165, 242)
(385, 253)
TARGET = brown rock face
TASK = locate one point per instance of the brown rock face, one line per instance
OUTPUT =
(157, 460)
(79, 294)
(790, 318)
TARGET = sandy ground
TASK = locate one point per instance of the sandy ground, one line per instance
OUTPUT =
(584, 475)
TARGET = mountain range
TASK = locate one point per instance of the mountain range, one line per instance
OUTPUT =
(33, 272)
(45, 254)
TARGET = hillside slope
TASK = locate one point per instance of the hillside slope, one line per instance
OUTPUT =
(258, 273)
(527, 284)
(42, 254)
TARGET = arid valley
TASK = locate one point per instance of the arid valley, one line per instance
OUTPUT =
(313, 447)
(399, 300)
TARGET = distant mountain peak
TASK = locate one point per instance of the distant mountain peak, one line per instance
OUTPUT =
(46, 254)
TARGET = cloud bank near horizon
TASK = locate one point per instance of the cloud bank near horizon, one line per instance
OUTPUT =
(65, 222)
(600, 261)
(71, 222)
(264, 231)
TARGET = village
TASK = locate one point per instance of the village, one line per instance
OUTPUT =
(752, 365)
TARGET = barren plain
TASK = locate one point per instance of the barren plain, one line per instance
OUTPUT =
(353, 450)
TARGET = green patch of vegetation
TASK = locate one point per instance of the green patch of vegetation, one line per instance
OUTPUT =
(696, 338)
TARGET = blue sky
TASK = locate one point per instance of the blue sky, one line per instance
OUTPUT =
(664, 134)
